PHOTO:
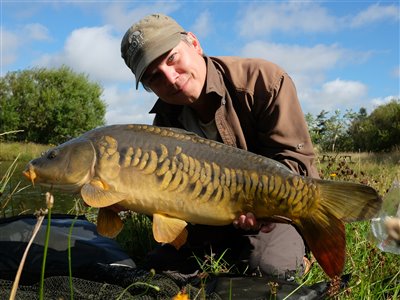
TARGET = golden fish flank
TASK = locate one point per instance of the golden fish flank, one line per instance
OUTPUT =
(176, 176)
(201, 181)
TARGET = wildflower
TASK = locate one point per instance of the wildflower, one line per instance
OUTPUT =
(181, 296)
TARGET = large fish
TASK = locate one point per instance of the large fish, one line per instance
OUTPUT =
(178, 177)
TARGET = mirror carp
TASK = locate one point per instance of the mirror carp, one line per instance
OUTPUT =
(178, 177)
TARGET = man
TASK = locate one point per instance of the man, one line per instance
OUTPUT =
(247, 103)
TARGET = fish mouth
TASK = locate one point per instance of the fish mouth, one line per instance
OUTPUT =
(30, 174)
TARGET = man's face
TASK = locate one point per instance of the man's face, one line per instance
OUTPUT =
(178, 76)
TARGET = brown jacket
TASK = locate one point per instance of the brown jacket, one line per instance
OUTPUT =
(259, 111)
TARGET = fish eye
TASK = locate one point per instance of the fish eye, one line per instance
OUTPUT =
(51, 154)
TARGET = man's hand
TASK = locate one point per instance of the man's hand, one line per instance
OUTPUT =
(248, 222)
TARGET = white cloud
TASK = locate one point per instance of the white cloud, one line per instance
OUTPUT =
(376, 13)
(10, 44)
(94, 51)
(36, 32)
(264, 19)
(344, 90)
(18, 40)
(308, 17)
(128, 106)
(375, 102)
(202, 25)
(334, 95)
(294, 57)
(306, 65)
(122, 18)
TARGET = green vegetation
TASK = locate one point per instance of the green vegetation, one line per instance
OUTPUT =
(26, 151)
(337, 132)
(49, 105)
(136, 238)
(378, 131)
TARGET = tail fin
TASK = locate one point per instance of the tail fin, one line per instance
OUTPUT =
(323, 229)
(349, 201)
(327, 243)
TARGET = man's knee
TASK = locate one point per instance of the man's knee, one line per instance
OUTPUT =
(279, 252)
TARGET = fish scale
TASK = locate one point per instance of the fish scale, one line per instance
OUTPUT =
(178, 177)
(177, 174)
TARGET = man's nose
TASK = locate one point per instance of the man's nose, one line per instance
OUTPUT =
(170, 74)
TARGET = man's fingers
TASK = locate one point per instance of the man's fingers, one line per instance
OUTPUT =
(248, 222)
(251, 220)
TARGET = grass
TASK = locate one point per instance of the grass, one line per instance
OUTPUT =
(26, 151)
(373, 274)
(136, 238)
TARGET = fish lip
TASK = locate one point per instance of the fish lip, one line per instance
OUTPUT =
(30, 173)
(26, 174)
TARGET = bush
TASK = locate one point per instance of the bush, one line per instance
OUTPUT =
(49, 105)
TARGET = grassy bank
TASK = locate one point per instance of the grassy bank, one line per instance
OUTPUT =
(378, 170)
(26, 151)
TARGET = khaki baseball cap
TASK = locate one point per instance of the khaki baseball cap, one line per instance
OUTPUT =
(147, 40)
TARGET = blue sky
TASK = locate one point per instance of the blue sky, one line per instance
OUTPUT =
(340, 54)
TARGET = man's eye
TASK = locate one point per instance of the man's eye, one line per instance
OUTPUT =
(171, 58)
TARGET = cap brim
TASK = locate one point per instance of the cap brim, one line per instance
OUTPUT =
(154, 51)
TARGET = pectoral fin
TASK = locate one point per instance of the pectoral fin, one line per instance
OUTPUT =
(169, 230)
(109, 224)
(95, 194)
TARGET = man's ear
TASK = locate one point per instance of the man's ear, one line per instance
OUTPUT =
(195, 42)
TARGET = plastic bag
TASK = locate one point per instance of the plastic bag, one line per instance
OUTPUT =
(385, 228)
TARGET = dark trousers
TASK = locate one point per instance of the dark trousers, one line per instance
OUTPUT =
(274, 253)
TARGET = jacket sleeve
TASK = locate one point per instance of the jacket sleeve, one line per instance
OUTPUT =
(282, 129)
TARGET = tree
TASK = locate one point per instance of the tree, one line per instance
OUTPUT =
(49, 105)
(330, 132)
(334, 132)
(317, 126)
(380, 131)
(355, 129)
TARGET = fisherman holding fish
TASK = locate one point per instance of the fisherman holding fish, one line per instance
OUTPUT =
(251, 159)
(247, 103)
